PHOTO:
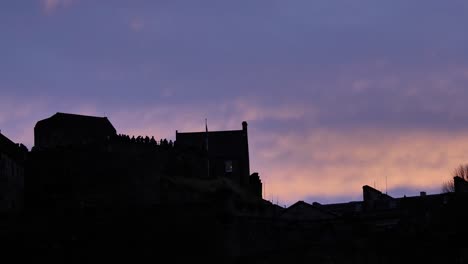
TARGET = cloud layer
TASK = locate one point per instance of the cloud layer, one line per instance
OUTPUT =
(337, 94)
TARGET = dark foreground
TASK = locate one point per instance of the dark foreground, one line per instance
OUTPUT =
(181, 233)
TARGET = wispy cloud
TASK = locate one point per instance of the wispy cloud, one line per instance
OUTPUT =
(18, 116)
(327, 163)
(295, 164)
(137, 24)
(51, 6)
(164, 119)
(316, 162)
(256, 110)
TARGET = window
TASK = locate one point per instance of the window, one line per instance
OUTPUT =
(228, 166)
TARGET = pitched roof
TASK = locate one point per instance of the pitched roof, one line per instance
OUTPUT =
(10, 148)
(74, 120)
(305, 211)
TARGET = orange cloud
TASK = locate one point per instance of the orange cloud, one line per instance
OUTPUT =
(329, 163)
(294, 164)
(315, 162)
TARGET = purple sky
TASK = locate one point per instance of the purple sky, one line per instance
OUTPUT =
(337, 94)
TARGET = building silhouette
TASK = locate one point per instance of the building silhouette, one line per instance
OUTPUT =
(227, 154)
(12, 166)
(64, 129)
(91, 194)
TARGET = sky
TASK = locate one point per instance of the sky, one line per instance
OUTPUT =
(338, 94)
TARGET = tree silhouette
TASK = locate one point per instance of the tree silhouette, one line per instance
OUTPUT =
(460, 171)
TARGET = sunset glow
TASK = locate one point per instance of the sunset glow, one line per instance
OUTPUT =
(336, 95)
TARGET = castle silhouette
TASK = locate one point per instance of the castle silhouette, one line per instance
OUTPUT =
(85, 193)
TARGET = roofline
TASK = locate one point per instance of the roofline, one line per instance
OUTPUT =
(424, 196)
(202, 132)
(7, 139)
(318, 208)
(62, 113)
(76, 115)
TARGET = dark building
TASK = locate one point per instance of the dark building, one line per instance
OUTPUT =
(255, 185)
(227, 154)
(12, 162)
(127, 199)
(69, 129)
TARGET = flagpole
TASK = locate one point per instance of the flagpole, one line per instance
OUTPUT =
(206, 147)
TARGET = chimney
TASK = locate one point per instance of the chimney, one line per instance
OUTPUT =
(244, 126)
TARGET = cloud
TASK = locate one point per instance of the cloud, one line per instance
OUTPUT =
(298, 163)
(50, 6)
(18, 116)
(137, 24)
(326, 163)
(256, 110)
(335, 96)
